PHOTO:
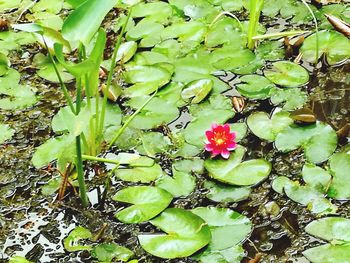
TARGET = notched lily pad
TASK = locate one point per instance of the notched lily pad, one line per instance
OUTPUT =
(186, 234)
(147, 203)
(319, 141)
(71, 242)
(235, 172)
(287, 74)
(197, 90)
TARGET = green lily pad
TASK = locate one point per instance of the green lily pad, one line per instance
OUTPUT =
(157, 112)
(330, 229)
(339, 165)
(147, 30)
(287, 74)
(197, 90)
(255, 87)
(182, 183)
(235, 172)
(140, 174)
(241, 130)
(6, 132)
(218, 109)
(109, 251)
(319, 141)
(224, 222)
(307, 195)
(267, 128)
(142, 74)
(156, 11)
(52, 150)
(147, 203)
(334, 45)
(228, 27)
(230, 255)
(290, 98)
(316, 176)
(185, 31)
(71, 242)
(328, 253)
(222, 193)
(187, 233)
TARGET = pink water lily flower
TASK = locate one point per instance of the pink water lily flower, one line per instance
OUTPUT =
(220, 140)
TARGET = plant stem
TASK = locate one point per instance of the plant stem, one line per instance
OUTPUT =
(80, 171)
(279, 34)
(121, 130)
(316, 27)
(110, 75)
(99, 159)
(254, 16)
(63, 86)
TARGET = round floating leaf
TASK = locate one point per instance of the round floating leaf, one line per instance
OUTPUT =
(255, 87)
(334, 45)
(6, 132)
(240, 128)
(318, 140)
(157, 112)
(217, 110)
(222, 193)
(291, 98)
(187, 233)
(232, 171)
(340, 166)
(224, 223)
(197, 90)
(71, 242)
(126, 51)
(315, 176)
(265, 128)
(19, 259)
(142, 74)
(147, 203)
(140, 174)
(108, 252)
(287, 74)
(328, 253)
(180, 184)
(330, 229)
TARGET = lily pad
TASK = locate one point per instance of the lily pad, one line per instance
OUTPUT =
(140, 174)
(218, 109)
(255, 87)
(290, 98)
(235, 172)
(71, 242)
(6, 132)
(334, 45)
(224, 222)
(339, 165)
(222, 193)
(330, 229)
(157, 112)
(197, 90)
(187, 233)
(287, 74)
(319, 141)
(109, 251)
(147, 203)
(180, 184)
(267, 128)
(328, 253)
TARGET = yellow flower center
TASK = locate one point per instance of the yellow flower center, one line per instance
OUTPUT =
(220, 141)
